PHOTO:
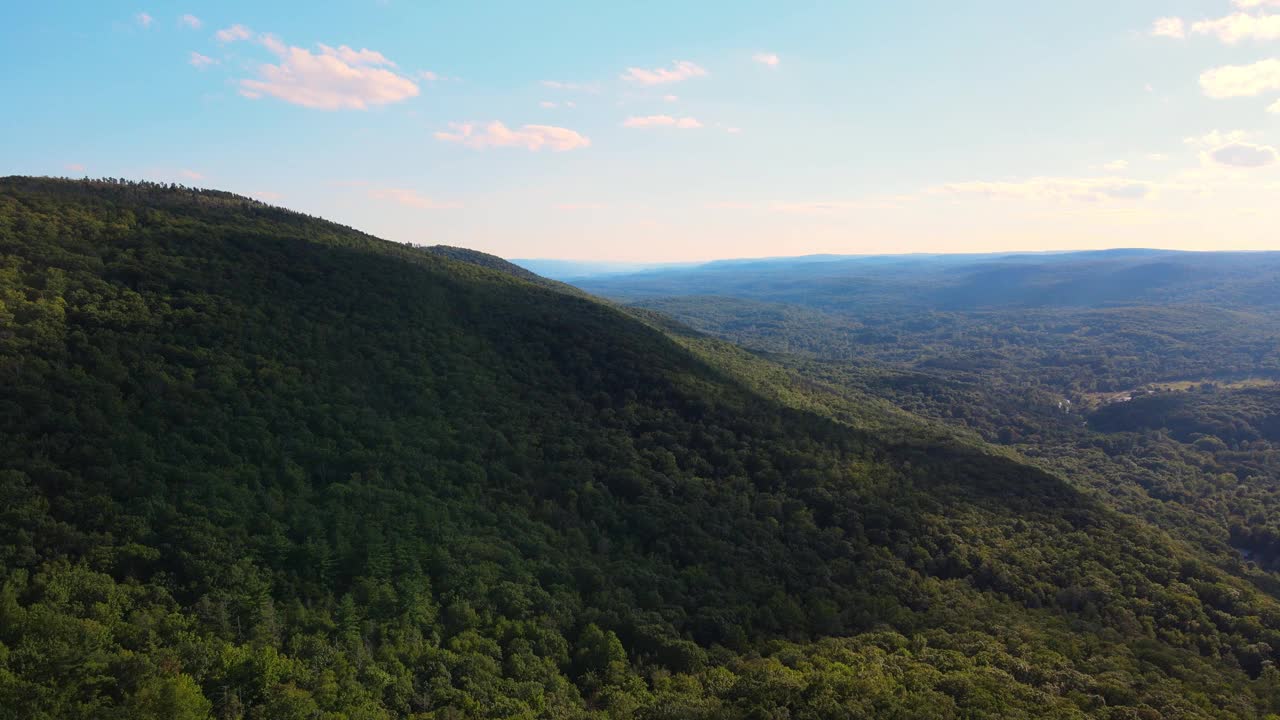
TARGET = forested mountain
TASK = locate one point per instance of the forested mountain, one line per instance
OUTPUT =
(258, 465)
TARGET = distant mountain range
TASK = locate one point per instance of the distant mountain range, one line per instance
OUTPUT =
(943, 282)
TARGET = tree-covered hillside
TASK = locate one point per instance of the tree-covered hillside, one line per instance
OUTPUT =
(258, 465)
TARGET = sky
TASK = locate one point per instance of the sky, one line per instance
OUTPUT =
(676, 131)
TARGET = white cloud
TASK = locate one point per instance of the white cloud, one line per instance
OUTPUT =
(529, 137)
(1242, 80)
(192, 174)
(770, 59)
(1116, 166)
(579, 206)
(333, 79)
(1170, 27)
(547, 104)
(191, 21)
(201, 61)
(1250, 4)
(1245, 155)
(411, 198)
(680, 70)
(266, 195)
(1240, 26)
(1275, 108)
(670, 98)
(232, 34)
(144, 19)
(428, 75)
(649, 121)
(75, 167)
(1056, 189)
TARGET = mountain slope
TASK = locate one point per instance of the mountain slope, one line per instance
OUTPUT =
(493, 262)
(260, 465)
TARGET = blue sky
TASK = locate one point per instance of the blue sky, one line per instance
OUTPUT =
(667, 131)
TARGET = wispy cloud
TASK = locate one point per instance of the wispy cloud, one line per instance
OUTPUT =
(579, 206)
(653, 121)
(338, 78)
(572, 86)
(191, 21)
(191, 174)
(1216, 139)
(1057, 189)
(75, 167)
(201, 61)
(1242, 80)
(1170, 27)
(143, 19)
(233, 34)
(529, 137)
(363, 56)
(411, 198)
(1275, 108)
(1116, 166)
(266, 195)
(770, 59)
(679, 71)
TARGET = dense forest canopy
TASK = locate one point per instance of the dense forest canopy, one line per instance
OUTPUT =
(258, 465)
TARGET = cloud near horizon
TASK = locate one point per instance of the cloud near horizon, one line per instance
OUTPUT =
(770, 59)
(1056, 189)
(530, 137)
(338, 78)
